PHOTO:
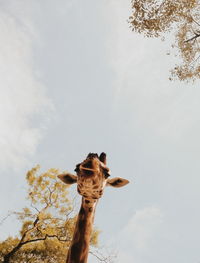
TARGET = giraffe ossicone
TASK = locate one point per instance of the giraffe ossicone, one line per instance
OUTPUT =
(92, 176)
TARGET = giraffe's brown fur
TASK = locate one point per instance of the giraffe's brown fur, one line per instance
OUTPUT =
(78, 252)
(92, 177)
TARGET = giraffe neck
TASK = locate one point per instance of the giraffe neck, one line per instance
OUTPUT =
(78, 251)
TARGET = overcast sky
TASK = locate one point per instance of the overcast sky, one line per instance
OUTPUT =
(74, 79)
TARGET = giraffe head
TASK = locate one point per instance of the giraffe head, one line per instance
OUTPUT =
(92, 175)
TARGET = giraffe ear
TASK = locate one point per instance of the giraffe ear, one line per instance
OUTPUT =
(102, 158)
(68, 178)
(117, 182)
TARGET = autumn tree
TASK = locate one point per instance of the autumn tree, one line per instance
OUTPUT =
(47, 224)
(155, 18)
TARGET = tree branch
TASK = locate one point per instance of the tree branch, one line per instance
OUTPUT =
(101, 257)
(44, 238)
(195, 21)
(193, 38)
(3, 219)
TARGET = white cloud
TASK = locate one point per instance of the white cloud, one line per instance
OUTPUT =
(141, 227)
(22, 95)
(139, 235)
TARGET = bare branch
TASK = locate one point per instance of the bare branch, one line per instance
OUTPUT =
(193, 62)
(195, 21)
(8, 215)
(44, 238)
(34, 207)
(193, 38)
(98, 257)
(101, 257)
(34, 240)
(50, 194)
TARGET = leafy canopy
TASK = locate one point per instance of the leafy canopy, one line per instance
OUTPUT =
(155, 18)
(47, 224)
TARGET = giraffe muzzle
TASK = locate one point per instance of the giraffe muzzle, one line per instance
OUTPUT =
(89, 167)
(88, 171)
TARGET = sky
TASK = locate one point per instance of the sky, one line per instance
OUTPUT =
(75, 79)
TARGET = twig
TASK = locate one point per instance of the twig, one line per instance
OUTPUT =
(193, 38)
(195, 21)
(4, 219)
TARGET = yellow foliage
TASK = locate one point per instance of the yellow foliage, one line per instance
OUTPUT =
(94, 237)
(46, 230)
(153, 18)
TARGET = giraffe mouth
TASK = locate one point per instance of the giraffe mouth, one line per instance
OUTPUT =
(85, 168)
(88, 171)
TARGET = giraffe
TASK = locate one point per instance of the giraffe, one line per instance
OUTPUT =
(92, 175)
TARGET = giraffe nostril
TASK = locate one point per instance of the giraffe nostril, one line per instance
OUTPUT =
(88, 172)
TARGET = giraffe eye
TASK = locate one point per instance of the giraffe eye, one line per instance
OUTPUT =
(77, 168)
(106, 172)
(107, 175)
